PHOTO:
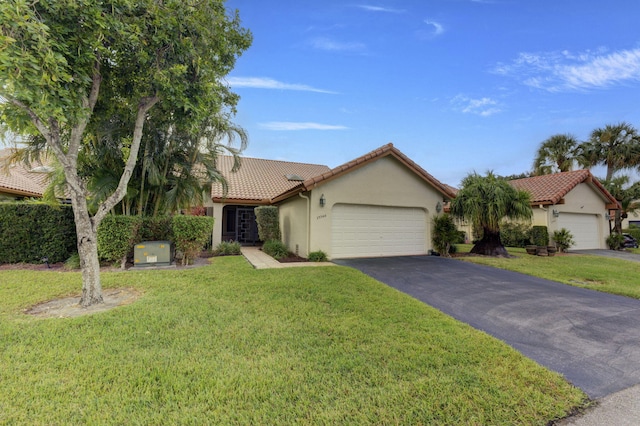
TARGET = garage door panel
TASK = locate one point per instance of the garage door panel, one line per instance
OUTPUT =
(369, 231)
(583, 227)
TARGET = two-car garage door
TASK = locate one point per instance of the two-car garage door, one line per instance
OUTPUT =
(374, 231)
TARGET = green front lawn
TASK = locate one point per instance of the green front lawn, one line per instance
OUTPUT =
(604, 274)
(227, 344)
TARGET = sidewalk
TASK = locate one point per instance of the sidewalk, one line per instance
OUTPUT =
(620, 409)
(260, 260)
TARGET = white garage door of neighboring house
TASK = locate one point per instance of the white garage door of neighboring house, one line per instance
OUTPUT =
(583, 227)
(375, 231)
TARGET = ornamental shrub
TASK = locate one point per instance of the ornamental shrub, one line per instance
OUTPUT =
(227, 248)
(191, 234)
(514, 234)
(614, 241)
(539, 236)
(318, 256)
(268, 223)
(116, 237)
(444, 234)
(563, 239)
(275, 249)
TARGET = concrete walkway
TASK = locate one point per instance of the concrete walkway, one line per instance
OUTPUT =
(261, 260)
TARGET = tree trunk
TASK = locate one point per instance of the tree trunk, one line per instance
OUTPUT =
(88, 252)
(490, 245)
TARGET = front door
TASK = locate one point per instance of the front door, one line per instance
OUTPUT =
(246, 226)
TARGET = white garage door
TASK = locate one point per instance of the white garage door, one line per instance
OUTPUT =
(583, 227)
(374, 231)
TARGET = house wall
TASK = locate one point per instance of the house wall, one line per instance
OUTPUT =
(294, 224)
(216, 238)
(385, 182)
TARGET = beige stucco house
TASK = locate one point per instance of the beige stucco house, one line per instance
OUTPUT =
(17, 181)
(573, 200)
(380, 204)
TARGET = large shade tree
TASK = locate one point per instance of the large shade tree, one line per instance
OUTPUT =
(485, 201)
(556, 154)
(615, 146)
(61, 61)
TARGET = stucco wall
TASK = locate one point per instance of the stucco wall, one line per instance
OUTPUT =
(385, 182)
(294, 224)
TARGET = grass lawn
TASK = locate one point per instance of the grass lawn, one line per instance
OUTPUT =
(605, 274)
(227, 344)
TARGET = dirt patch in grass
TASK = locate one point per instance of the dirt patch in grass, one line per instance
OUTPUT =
(69, 307)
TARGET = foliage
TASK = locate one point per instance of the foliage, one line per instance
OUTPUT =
(190, 234)
(227, 248)
(444, 234)
(228, 344)
(615, 146)
(539, 235)
(485, 201)
(72, 263)
(275, 248)
(514, 234)
(268, 223)
(80, 75)
(615, 240)
(117, 235)
(318, 256)
(627, 195)
(31, 231)
(556, 154)
(156, 228)
(634, 231)
(563, 239)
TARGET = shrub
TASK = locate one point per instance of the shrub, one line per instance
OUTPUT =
(31, 231)
(614, 241)
(318, 256)
(563, 239)
(157, 228)
(268, 223)
(73, 262)
(539, 236)
(227, 248)
(191, 233)
(514, 234)
(116, 237)
(444, 234)
(275, 249)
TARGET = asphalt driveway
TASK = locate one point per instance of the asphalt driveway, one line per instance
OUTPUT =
(592, 338)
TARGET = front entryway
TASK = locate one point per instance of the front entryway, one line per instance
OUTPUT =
(239, 224)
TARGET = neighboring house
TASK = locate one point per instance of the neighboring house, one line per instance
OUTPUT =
(18, 181)
(573, 200)
(380, 204)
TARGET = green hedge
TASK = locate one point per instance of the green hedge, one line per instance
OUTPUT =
(268, 223)
(116, 237)
(191, 234)
(31, 231)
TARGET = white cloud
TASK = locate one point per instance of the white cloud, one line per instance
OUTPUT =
(567, 71)
(324, 43)
(379, 9)
(483, 107)
(437, 27)
(269, 83)
(288, 126)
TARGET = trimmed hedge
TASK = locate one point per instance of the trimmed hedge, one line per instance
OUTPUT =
(32, 231)
(268, 223)
(117, 236)
(539, 235)
(190, 234)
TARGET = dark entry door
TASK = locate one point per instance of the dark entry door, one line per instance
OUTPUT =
(247, 228)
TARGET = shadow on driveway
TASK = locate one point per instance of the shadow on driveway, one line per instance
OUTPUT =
(592, 338)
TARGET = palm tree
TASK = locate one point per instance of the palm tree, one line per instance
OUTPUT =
(627, 195)
(615, 146)
(556, 154)
(485, 201)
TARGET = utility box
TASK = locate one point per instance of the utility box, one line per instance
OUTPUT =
(152, 253)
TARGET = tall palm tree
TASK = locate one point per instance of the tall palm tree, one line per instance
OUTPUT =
(615, 146)
(627, 195)
(556, 154)
(485, 201)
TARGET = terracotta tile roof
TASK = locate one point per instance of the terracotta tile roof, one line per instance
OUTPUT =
(21, 180)
(551, 189)
(386, 150)
(258, 181)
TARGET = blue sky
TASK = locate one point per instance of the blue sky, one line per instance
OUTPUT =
(457, 85)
